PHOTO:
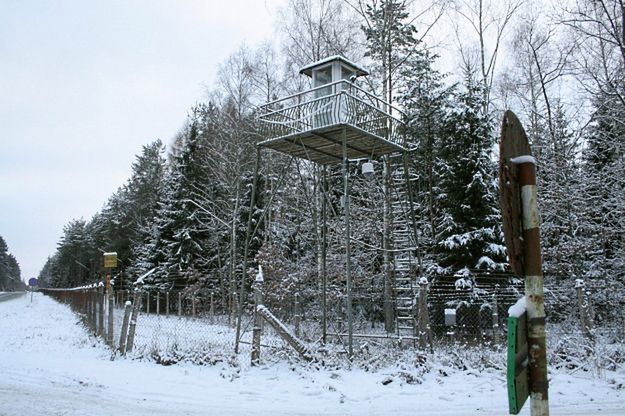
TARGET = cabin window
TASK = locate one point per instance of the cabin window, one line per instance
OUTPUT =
(323, 76)
(346, 75)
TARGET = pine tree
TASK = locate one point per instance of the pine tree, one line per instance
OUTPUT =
(178, 244)
(145, 189)
(604, 187)
(469, 221)
(390, 40)
(425, 99)
(72, 256)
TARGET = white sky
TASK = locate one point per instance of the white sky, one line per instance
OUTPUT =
(84, 84)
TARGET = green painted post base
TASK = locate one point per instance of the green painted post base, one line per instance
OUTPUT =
(518, 360)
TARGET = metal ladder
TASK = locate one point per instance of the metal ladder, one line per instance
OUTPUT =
(404, 247)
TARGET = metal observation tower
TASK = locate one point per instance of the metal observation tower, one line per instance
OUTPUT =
(333, 123)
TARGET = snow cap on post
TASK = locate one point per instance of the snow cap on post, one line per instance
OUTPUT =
(518, 308)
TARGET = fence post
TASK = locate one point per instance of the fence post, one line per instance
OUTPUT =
(258, 301)
(193, 306)
(212, 308)
(298, 316)
(495, 318)
(158, 303)
(179, 303)
(584, 310)
(167, 303)
(101, 312)
(133, 320)
(236, 308)
(424, 320)
(147, 303)
(124, 333)
(94, 310)
(111, 300)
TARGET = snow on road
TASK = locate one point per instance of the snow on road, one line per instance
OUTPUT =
(50, 366)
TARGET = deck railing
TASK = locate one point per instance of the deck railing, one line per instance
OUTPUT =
(337, 103)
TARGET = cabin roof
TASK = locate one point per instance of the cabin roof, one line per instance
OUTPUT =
(358, 70)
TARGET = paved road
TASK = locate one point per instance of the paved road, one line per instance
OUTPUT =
(10, 295)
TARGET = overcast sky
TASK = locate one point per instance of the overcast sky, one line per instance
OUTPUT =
(85, 84)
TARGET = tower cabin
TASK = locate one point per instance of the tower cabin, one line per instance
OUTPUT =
(315, 124)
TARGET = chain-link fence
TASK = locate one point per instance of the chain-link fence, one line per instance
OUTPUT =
(183, 326)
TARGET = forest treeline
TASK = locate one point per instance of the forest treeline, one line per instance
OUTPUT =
(10, 273)
(184, 211)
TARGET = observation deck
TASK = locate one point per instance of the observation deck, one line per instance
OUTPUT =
(312, 124)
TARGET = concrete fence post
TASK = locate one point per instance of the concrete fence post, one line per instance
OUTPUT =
(425, 335)
(298, 316)
(584, 309)
(101, 312)
(167, 303)
(179, 303)
(133, 320)
(124, 332)
(212, 307)
(111, 317)
(158, 303)
(495, 318)
(258, 301)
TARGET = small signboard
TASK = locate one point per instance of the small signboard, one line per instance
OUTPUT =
(518, 361)
(110, 260)
(33, 282)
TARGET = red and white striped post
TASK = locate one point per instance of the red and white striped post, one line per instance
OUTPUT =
(534, 293)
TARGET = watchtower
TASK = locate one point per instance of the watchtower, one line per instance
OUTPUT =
(334, 122)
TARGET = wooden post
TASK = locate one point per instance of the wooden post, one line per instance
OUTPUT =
(212, 307)
(124, 332)
(584, 309)
(298, 316)
(167, 303)
(147, 303)
(158, 303)
(258, 301)
(193, 306)
(133, 320)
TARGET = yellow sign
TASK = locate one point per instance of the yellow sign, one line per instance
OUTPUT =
(110, 260)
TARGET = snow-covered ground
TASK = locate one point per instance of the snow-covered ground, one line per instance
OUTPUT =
(50, 366)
